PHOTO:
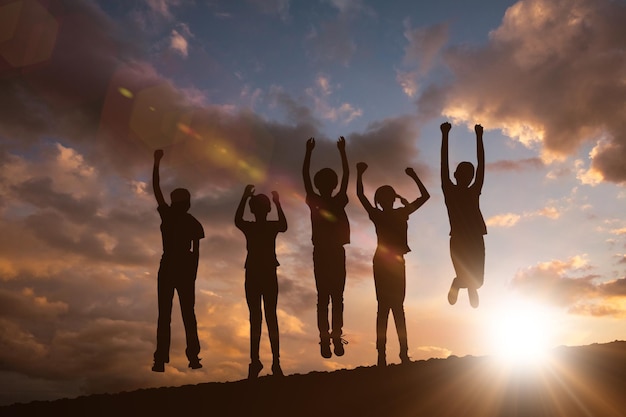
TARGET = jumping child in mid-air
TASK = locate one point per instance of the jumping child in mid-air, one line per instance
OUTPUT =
(467, 226)
(330, 231)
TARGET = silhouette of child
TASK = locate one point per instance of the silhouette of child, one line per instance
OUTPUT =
(261, 282)
(181, 234)
(330, 231)
(467, 226)
(389, 269)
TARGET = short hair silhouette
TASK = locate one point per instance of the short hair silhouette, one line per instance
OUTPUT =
(325, 180)
(260, 204)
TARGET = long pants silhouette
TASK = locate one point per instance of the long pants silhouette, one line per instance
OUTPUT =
(390, 283)
(176, 273)
(262, 286)
(329, 264)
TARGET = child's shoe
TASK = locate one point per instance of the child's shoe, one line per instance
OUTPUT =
(254, 368)
(276, 369)
(158, 366)
(195, 363)
(338, 343)
(325, 347)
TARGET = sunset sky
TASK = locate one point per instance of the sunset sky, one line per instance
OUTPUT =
(231, 90)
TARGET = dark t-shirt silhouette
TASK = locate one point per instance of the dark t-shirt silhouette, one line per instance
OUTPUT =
(466, 220)
(261, 244)
(391, 229)
(329, 222)
(178, 230)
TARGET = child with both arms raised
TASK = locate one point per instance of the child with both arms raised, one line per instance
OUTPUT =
(330, 232)
(261, 282)
(388, 263)
(467, 226)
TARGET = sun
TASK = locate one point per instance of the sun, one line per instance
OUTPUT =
(520, 335)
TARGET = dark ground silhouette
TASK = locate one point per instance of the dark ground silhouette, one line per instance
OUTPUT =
(580, 381)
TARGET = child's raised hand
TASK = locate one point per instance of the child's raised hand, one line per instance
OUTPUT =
(275, 197)
(249, 191)
(158, 154)
(310, 144)
(410, 172)
(341, 143)
(361, 167)
(445, 127)
(478, 129)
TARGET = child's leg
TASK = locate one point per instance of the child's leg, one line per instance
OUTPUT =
(400, 321)
(382, 316)
(253, 299)
(322, 284)
(186, 297)
(338, 284)
(165, 290)
(270, 302)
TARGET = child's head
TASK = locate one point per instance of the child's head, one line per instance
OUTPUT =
(385, 196)
(181, 199)
(325, 180)
(260, 205)
(464, 174)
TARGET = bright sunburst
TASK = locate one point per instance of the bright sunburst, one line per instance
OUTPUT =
(520, 334)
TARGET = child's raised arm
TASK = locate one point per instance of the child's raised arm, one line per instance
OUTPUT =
(341, 144)
(156, 185)
(445, 165)
(424, 195)
(247, 193)
(306, 166)
(360, 169)
(480, 156)
(282, 220)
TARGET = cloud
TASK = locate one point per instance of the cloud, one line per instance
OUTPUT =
(568, 284)
(163, 7)
(178, 40)
(424, 47)
(511, 219)
(503, 220)
(516, 165)
(550, 75)
(321, 95)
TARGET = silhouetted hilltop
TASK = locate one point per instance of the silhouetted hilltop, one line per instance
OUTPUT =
(577, 381)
